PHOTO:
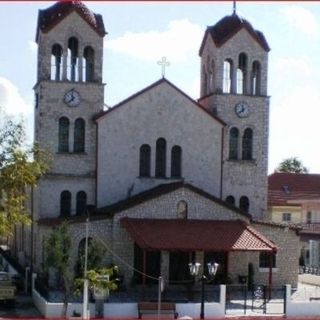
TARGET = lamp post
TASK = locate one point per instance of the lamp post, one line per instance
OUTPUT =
(194, 271)
(85, 305)
(85, 311)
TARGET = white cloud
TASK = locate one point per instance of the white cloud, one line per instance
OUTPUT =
(178, 42)
(11, 100)
(294, 65)
(32, 46)
(294, 124)
(301, 19)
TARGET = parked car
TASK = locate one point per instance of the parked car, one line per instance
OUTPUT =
(7, 289)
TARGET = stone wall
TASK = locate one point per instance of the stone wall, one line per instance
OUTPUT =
(241, 177)
(161, 111)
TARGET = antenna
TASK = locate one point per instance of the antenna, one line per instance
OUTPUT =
(234, 7)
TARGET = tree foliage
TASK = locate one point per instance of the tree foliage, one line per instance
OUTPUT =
(100, 278)
(292, 165)
(57, 247)
(20, 169)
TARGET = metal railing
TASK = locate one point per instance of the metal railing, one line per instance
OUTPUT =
(309, 270)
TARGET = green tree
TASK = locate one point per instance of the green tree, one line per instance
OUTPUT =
(58, 256)
(20, 169)
(292, 165)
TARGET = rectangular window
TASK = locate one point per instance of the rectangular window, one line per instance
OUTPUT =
(286, 217)
(309, 217)
(264, 260)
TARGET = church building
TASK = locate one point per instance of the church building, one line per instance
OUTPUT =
(167, 180)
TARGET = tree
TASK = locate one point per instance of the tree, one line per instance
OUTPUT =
(292, 165)
(20, 169)
(58, 256)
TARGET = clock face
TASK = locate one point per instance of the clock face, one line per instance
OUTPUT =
(242, 109)
(72, 98)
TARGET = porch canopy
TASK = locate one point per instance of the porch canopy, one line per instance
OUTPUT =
(196, 235)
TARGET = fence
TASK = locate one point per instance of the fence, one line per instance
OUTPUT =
(130, 309)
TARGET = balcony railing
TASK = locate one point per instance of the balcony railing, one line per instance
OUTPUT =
(312, 226)
(309, 270)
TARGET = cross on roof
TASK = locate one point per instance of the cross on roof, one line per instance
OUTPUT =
(163, 63)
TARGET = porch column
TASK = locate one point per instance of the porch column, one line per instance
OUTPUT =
(270, 272)
(144, 263)
(164, 264)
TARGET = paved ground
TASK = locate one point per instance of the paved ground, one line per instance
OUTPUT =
(24, 308)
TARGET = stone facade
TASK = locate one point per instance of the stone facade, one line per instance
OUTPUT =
(239, 176)
(108, 170)
(142, 120)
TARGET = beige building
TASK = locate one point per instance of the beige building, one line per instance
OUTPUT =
(294, 199)
(169, 180)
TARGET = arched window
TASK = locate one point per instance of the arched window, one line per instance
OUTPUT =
(81, 202)
(204, 81)
(72, 63)
(227, 76)
(233, 143)
(242, 73)
(161, 155)
(247, 144)
(88, 59)
(79, 268)
(79, 135)
(65, 203)
(145, 161)
(244, 204)
(56, 66)
(255, 78)
(211, 73)
(63, 145)
(182, 210)
(176, 161)
(230, 200)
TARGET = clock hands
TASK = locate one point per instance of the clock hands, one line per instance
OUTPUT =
(72, 98)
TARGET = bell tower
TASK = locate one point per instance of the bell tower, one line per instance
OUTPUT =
(68, 93)
(234, 68)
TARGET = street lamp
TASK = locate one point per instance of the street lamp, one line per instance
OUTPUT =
(194, 271)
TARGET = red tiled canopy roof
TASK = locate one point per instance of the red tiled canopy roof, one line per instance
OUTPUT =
(191, 235)
(49, 17)
(228, 26)
(286, 187)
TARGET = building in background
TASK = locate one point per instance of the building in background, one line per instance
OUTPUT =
(294, 199)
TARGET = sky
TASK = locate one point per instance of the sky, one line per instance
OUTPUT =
(141, 33)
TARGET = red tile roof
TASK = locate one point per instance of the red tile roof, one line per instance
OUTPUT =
(227, 27)
(51, 16)
(285, 187)
(191, 235)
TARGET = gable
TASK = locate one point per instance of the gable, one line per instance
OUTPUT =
(162, 201)
(162, 83)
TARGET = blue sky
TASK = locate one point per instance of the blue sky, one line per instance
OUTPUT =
(140, 33)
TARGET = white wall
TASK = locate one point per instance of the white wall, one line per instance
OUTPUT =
(301, 308)
(48, 309)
